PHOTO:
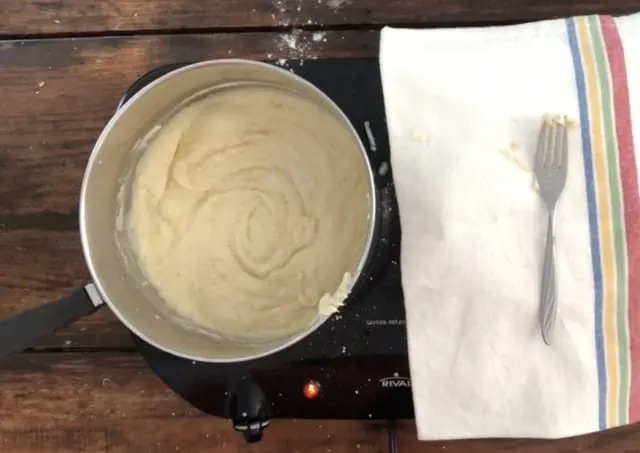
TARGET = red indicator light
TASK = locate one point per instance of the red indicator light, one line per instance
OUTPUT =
(311, 390)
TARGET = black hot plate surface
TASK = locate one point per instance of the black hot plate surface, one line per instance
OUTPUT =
(359, 356)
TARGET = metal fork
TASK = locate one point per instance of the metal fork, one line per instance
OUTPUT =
(551, 163)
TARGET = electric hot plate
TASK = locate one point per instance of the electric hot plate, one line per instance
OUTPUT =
(356, 365)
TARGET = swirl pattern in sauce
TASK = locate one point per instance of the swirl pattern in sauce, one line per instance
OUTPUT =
(248, 207)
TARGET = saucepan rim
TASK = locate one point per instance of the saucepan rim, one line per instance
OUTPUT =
(93, 161)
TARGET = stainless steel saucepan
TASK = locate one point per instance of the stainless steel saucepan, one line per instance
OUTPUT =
(114, 283)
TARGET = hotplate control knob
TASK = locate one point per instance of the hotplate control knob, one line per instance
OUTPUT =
(248, 409)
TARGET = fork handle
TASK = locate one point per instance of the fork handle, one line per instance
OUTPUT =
(548, 290)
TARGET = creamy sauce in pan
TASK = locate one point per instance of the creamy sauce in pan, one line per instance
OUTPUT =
(249, 212)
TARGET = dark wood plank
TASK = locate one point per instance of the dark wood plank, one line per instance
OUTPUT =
(57, 96)
(40, 265)
(621, 440)
(124, 16)
(58, 403)
(112, 402)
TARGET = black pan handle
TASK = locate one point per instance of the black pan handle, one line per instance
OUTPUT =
(20, 331)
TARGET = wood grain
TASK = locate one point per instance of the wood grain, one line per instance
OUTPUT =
(621, 440)
(103, 402)
(40, 264)
(41, 17)
(59, 403)
(59, 94)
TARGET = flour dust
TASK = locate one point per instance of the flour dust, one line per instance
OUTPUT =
(296, 43)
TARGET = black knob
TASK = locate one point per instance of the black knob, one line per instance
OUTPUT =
(248, 408)
(254, 434)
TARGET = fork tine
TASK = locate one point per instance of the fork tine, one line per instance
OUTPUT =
(564, 150)
(558, 142)
(551, 154)
(543, 139)
(550, 149)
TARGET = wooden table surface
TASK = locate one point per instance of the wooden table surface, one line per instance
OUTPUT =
(63, 66)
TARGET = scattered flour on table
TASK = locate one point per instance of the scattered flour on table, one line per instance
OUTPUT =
(298, 6)
(297, 44)
(335, 4)
(281, 5)
(319, 36)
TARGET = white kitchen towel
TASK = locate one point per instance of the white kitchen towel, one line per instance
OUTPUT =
(464, 107)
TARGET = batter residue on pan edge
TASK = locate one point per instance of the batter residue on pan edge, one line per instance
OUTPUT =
(249, 211)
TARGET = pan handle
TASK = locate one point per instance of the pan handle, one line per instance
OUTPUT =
(18, 332)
